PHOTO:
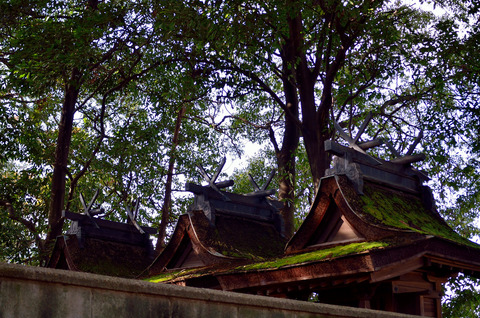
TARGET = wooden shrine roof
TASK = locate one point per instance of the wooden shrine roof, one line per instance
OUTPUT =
(223, 228)
(100, 246)
(380, 212)
(99, 256)
(391, 233)
(371, 239)
(229, 240)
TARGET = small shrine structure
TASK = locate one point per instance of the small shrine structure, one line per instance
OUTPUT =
(372, 239)
(223, 229)
(99, 246)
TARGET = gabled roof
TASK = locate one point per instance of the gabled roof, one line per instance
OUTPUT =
(223, 229)
(372, 239)
(391, 233)
(104, 247)
(100, 256)
(232, 239)
(379, 213)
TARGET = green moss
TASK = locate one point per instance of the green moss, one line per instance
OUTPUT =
(318, 255)
(405, 212)
(242, 254)
(170, 275)
(379, 206)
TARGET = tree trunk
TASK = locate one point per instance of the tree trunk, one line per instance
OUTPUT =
(315, 126)
(167, 202)
(315, 120)
(55, 220)
(286, 160)
(286, 155)
(318, 158)
(286, 194)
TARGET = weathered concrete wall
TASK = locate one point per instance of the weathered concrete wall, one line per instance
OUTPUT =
(41, 292)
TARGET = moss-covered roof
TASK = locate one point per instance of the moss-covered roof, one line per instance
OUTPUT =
(401, 213)
(238, 237)
(171, 275)
(316, 256)
(398, 210)
(290, 260)
(107, 258)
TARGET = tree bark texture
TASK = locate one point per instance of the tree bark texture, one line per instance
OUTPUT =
(55, 220)
(336, 42)
(287, 154)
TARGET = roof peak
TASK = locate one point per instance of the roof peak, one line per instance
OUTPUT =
(255, 205)
(354, 162)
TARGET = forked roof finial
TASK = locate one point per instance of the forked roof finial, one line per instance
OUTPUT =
(216, 186)
(87, 209)
(353, 142)
(357, 164)
(132, 215)
(262, 191)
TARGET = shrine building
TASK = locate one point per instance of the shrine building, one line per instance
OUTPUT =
(372, 239)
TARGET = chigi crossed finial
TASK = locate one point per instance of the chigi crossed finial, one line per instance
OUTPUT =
(357, 164)
(132, 215)
(262, 191)
(216, 186)
(91, 212)
(88, 211)
(362, 147)
(352, 142)
(255, 205)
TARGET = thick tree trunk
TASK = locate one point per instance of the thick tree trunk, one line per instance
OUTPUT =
(55, 220)
(315, 125)
(287, 154)
(315, 120)
(319, 159)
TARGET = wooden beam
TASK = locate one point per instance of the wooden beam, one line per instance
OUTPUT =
(405, 160)
(397, 269)
(452, 263)
(371, 144)
(310, 225)
(400, 287)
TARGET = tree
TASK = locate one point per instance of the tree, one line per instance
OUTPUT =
(67, 53)
(281, 70)
(292, 67)
(417, 72)
(464, 301)
(77, 111)
(302, 63)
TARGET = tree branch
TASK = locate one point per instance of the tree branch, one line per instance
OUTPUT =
(28, 224)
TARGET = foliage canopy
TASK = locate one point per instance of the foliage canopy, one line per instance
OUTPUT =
(129, 96)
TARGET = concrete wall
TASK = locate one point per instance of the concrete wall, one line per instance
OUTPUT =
(42, 292)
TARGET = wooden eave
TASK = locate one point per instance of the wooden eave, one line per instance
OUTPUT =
(382, 251)
(381, 214)
(61, 251)
(184, 230)
(441, 258)
(230, 239)
(161, 261)
(331, 195)
(358, 266)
